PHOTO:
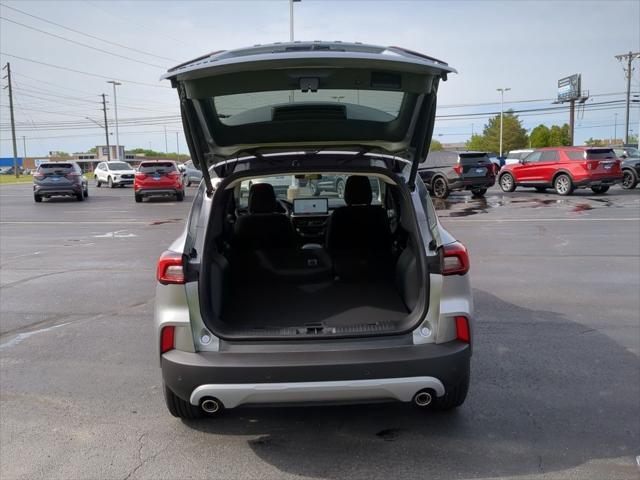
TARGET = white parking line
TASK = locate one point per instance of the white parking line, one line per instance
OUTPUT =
(533, 220)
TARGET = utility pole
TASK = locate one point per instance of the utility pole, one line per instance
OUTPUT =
(106, 127)
(177, 145)
(24, 149)
(7, 67)
(501, 90)
(615, 127)
(115, 109)
(166, 145)
(629, 57)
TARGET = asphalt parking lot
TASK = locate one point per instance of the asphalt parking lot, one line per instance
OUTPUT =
(555, 389)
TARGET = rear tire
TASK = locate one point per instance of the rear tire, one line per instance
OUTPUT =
(110, 182)
(80, 196)
(138, 198)
(600, 189)
(37, 198)
(629, 179)
(180, 196)
(98, 182)
(440, 187)
(454, 397)
(179, 408)
(86, 192)
(563, 184)
(478, 192)
(507, 183)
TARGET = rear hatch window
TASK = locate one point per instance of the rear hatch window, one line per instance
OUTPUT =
(159, 167)
(63, 168)
(600, 154)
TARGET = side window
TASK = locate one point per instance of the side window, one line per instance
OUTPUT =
(549, 156)
(533, 157)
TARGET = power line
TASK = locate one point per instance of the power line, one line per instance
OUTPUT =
(88, 34)
(82, 72)
(162, 67)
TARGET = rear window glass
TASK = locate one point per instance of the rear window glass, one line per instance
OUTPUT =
(55, 166)
(157, 167)
(119, 166)
(575, 155)
(256, 107)
(441, 159)
(600, 154)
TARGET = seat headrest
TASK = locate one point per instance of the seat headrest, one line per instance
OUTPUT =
(262, 198)
(357, 191)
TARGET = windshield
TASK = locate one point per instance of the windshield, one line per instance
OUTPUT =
(324, 186)
(119, 166)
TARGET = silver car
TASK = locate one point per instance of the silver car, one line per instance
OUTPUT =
(290, 297)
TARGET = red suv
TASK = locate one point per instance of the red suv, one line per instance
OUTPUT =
(158, 179)
(564, 169)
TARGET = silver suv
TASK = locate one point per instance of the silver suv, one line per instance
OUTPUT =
(287, 295)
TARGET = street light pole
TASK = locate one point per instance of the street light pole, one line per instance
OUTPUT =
(501, 90)
(115, 109)
(615, 127)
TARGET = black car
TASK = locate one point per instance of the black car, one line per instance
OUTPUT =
(630, 157)
(443, 172)
(55, 179)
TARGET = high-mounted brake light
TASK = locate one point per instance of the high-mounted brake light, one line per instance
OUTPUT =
(167, 338)
(462, 329)
(456, 259)
(170, 268)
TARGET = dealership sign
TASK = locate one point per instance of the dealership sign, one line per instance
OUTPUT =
(569, 88)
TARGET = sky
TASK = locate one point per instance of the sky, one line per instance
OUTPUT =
(521, 45)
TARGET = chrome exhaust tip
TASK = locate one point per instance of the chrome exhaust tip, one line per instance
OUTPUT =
(210, 405)
(423, 399)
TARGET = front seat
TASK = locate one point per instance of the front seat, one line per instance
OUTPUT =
(264, 227)
(358, 234)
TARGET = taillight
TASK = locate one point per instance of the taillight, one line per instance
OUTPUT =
(38, 175)
(170, 269)
(462, 329)
(167, 338)
(140, 176)
(592, 164)
(456, 259)
(457, 169)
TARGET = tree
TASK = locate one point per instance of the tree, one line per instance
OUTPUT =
(435, 146)
(559, 136)
(514, 135)
(539, 137)
(594, 142)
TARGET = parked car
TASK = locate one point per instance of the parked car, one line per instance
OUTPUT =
(158, 178)
(564, 169)
(6, 171)
(248, 310)
(444, 172)
(56, 179)
(514, 156)
(630, 157)
(114, 174)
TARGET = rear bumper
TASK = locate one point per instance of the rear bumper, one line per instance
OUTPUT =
(157, 192)
(470, 183)
(123, 181)
(54, 190)
(594, 182)
(395, 373)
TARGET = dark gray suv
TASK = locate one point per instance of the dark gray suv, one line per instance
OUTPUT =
(59, 179)
(299, 297)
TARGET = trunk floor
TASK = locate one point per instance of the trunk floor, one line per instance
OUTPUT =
(334, 304)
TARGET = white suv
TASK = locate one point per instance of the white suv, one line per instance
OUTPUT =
(114, 174)
(270, 298)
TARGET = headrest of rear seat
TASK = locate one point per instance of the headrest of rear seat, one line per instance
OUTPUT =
(357, 191)
(262, 198)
